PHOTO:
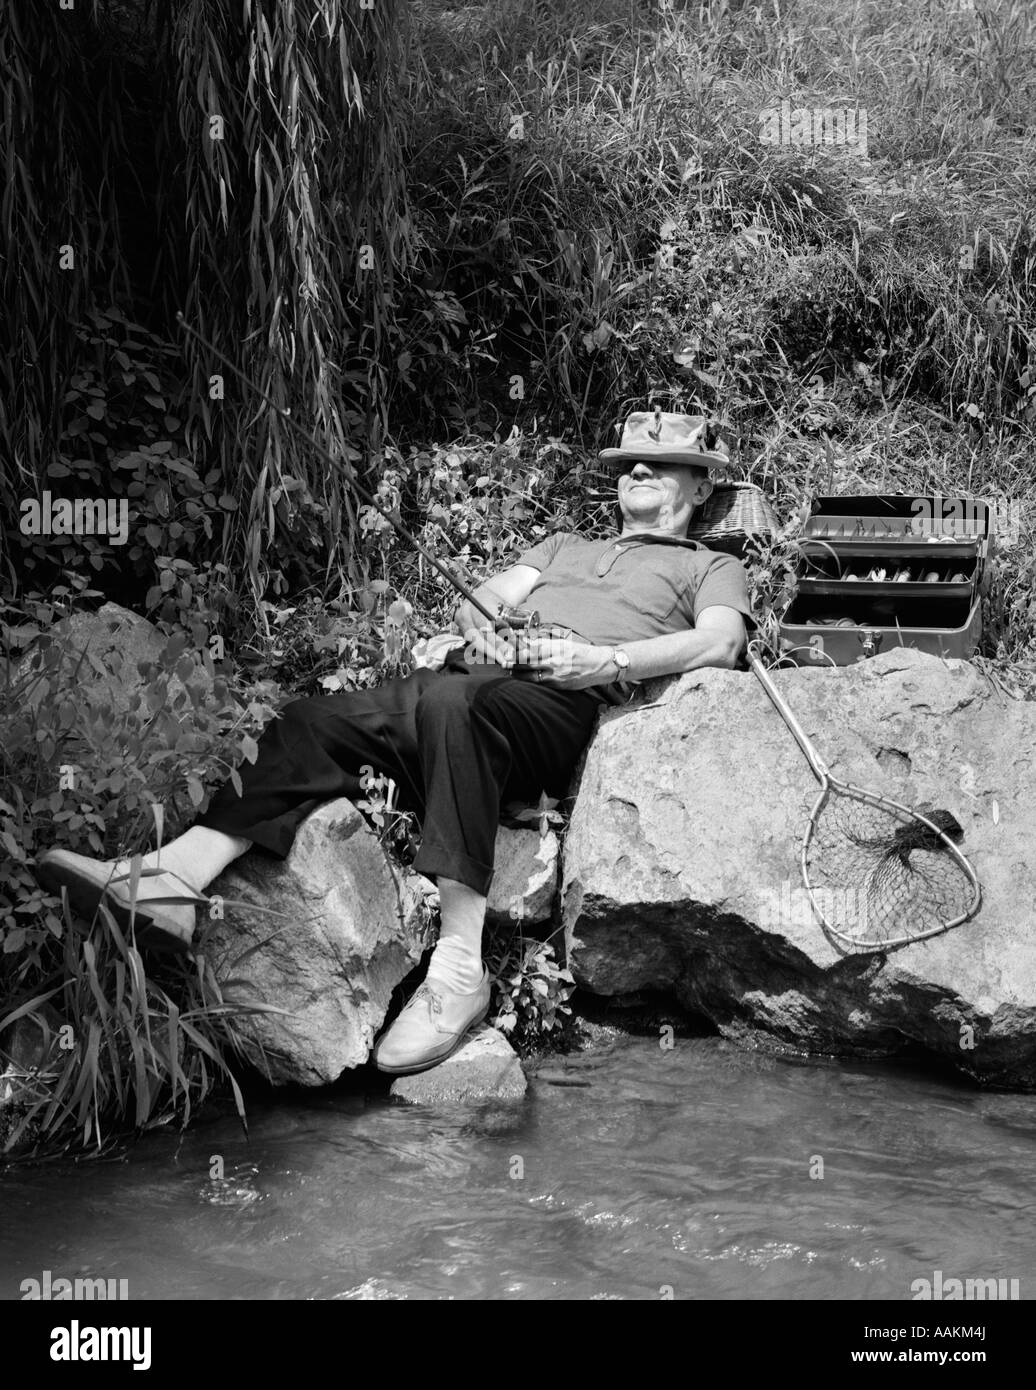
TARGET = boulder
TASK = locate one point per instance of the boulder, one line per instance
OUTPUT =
(325, 935)
(484, 1067)
(687, 828)
(107, 647)
(525, 877)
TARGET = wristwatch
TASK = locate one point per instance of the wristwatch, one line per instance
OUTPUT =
(622, 661)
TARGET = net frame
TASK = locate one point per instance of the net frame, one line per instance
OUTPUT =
(830, 785)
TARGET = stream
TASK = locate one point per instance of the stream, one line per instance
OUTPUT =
(628, 1172)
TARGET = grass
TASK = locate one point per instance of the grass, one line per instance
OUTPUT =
(858, 324)
(121, 1047)
(632, 134)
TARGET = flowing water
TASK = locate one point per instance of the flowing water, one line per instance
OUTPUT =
(646, 1171)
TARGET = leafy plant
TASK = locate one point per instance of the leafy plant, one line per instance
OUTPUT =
(530, 991)
(88, 749)
(397, 829)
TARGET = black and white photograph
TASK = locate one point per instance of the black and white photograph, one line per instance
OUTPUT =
(517, 672)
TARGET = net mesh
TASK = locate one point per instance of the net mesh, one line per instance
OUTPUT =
(879, 875)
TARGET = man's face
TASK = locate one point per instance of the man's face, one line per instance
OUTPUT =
(662, 495)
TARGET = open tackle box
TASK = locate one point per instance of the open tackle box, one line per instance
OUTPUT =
(886, 571)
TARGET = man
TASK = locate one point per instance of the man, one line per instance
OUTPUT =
(458, 741)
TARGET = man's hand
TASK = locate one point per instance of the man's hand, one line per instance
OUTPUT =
(484, 646)
(563, 662)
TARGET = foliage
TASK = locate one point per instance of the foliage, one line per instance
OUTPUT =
(530, 991)
(262, 219)
(296, 224)
(84, 762)
(397, 830)
(635, 225)
(62, 136)
(120, 439)
(81, 767)
(570, 212)
(130, 1046)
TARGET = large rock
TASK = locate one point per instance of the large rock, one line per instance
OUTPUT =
(106, 649)
(484, 1067)
(525, 877)
(336, 930)
(687, 828)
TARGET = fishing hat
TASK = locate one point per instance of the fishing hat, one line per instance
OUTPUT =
(660, 436)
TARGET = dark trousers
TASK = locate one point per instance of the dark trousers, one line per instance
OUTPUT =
(457, 742)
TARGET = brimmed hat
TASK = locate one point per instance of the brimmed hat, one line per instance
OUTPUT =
(660, 436)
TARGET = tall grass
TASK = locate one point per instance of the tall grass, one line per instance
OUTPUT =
(121, 1047)
(62, 136)
(640, 128)
(902, 283)
(270, 224)
(256, 235)
(861, 324)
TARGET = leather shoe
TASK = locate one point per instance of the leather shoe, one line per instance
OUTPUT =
(431, 1027)
(162, 923)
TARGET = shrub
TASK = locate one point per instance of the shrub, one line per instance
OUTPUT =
(83, 770)
(530, 991)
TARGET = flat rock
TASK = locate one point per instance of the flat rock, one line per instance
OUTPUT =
(325, 935)
(525, 877)
(687, 829)
(484, 1067)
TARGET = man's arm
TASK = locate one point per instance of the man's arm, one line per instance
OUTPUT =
(717, 639)
(512, 587)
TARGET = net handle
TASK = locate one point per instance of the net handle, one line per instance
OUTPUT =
(784, 710)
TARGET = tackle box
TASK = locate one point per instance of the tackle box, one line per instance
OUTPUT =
(888, 570)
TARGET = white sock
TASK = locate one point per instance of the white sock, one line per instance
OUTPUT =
(456, 965)
(198, 855)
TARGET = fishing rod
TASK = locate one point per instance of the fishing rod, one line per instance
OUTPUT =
(506, 617)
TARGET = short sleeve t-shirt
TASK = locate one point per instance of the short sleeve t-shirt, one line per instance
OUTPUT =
(632, 587)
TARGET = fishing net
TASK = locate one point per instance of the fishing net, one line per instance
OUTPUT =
(880, 875)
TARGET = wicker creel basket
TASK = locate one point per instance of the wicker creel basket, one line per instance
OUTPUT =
(733, 514)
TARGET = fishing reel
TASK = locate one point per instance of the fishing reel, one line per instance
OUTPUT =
(517, 626)
(513, 619)
(521, 629)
